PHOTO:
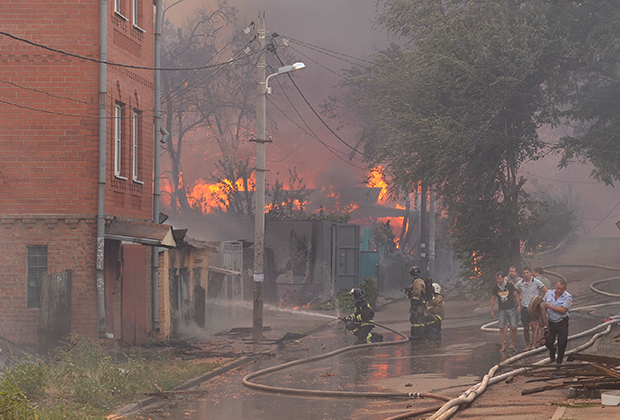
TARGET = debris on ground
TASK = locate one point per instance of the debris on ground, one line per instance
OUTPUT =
(591, 373)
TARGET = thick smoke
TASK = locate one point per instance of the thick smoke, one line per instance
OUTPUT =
(346, 26)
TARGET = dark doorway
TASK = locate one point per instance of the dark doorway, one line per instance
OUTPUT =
(134, 295)
(55, 310)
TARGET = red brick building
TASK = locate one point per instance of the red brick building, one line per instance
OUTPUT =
(77, 165)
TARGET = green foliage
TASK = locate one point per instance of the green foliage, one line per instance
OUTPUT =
(13, 402)
(460, 102)
(344, 302)
(371, 292)
(31, 379)
(554, 218)
(384, 236)
(288, 203)
(86, 381)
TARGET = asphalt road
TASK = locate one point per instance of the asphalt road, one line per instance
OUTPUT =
(447, 368)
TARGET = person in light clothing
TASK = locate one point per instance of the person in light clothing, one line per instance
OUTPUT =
(557, 303)
(528, 288)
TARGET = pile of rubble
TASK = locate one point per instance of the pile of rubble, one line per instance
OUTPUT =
(589, 373)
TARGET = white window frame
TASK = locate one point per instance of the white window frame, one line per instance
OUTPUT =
(118, 8)
(118, 139)
(135, 130)
(136, 15)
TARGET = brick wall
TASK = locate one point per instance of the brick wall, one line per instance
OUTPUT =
(19, 323)
(49, 157)
(50, 117)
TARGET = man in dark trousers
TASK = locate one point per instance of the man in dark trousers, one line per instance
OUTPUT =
(417, 304)
(557, 303)
(361, 322)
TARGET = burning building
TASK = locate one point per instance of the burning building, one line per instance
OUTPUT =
(77, 219)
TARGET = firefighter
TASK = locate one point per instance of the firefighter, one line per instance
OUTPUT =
(417, 299)
(434, 314)
(361, 322)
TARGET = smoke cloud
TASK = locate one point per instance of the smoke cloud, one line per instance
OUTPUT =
(346, 26)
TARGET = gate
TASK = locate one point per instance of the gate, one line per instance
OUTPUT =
(345, 249)
(55, 310)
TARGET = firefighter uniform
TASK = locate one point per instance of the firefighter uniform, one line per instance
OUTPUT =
(361, 322)
(417, 299)
(435, 313)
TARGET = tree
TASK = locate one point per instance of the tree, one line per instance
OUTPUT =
(555, 219)
(211, 111)
(458, 106)
(593, 81)
(208, 109)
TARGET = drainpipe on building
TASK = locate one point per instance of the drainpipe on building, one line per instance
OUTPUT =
(156, 146)
(103, 77)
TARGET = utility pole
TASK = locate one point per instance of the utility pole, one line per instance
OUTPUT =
(423, 232)
(431, 232)
(259, 210)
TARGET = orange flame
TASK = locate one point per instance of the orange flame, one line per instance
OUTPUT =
(375, 180)
(211, 197)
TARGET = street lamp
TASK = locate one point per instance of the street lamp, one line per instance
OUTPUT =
(284, 69)
(259, 212)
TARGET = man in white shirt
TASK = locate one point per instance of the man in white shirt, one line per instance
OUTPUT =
(528, 288)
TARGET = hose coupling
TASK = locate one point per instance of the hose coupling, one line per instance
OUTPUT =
(416, 395)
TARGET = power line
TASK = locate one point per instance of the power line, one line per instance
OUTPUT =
(602, 220)
(329, 148)
(319, 64)
(48, 93)
(316, 113)
(94, 60)
(326, 51)
(299, 114)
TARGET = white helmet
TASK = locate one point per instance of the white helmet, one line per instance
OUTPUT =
(437, 288)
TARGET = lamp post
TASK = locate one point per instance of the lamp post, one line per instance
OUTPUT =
(259, 211)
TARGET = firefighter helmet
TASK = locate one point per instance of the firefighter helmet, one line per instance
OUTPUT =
(357, 293)
(415, 271)
(437, 288)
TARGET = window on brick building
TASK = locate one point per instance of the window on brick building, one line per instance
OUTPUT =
(135, 136)
(137, 13)
(118, 139)
(119, 7)
(37, 267)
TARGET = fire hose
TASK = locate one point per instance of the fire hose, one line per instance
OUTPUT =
(453, 404)
(247, 380)
(451, 407)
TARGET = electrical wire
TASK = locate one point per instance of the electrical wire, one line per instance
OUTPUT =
(314, 136)
(110, 63)
(317, 114)
(328, 52)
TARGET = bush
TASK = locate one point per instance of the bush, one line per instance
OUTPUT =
(13, 402)
(371, 292)
(84, 381)
(30, 378)
(344, 302)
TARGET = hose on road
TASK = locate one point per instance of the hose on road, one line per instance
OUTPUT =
(451, 407)
(247, 380)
